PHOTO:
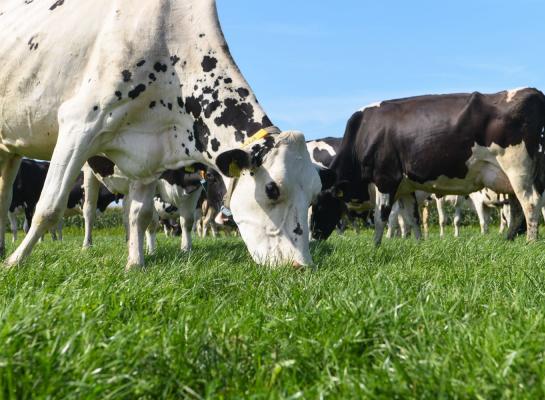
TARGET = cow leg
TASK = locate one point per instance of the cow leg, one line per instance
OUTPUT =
(516, 217)
(91, 188)
(126, 212)
(59, 229)
(426, 219)
(439, 202)
(516, 164)
(457, 220)
(140, 216)
(187, 206)
(480, 210)
(72, 149)
(409, 210)
(503, 218)
(393, 222)
(9, 165)
(13, 225)
(151, 233)
(383, 208)
(404, 228)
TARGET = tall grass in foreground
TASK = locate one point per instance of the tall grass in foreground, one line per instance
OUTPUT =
(453, 318)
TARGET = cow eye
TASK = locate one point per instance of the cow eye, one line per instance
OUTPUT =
(272, 190)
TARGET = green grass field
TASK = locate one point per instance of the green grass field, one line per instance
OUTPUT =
(454, 318)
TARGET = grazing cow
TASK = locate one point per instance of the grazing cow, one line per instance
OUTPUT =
(167, 214)
(151, 86)
(486, 200)
(177, 188)
(447, 144)
(323, 151)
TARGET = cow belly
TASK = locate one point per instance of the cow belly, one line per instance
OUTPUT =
(481, 174)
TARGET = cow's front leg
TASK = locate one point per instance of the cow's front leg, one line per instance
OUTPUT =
(91, 188)
(383, 208)
(69, 156)
(140, 216)
(9, 165)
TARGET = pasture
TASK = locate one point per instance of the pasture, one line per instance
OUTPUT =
(453, 318)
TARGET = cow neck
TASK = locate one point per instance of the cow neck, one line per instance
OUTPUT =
(223, 108)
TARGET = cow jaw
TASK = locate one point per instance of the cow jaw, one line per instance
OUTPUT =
(270, 203)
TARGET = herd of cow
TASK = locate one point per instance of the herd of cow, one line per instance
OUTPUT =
(146, 99)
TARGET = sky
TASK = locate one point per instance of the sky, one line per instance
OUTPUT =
(312, 63)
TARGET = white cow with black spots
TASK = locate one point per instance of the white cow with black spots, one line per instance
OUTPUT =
(151, 86)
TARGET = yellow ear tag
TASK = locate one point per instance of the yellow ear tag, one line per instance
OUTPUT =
(234, 169)
(189, 169)
(340, 194)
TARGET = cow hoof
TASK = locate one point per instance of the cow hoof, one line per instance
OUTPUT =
(134, 267)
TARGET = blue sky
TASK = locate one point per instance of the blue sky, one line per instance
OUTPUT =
(313, 63)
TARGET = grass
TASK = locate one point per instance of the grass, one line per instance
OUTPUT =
(453, 318)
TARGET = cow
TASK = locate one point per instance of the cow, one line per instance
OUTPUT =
(177, 188)
(323, 151)
(26, 190)
(28, 186)
(213, 213)
(151, 86)
(443, 144)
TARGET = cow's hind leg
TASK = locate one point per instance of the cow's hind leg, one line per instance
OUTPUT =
(409, 210)
(519, 168)
(393, 222)
(140, 210)
(91, 187)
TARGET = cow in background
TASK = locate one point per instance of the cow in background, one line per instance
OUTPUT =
(446, 144)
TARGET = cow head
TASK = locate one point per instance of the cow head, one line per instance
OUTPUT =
(327, 210)
(270, 197)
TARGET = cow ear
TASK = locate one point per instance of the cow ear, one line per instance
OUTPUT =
(341, 190)
(327, 177)
(232, 162)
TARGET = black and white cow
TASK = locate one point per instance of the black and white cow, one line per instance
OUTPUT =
(179, 188)
(214, 216)
(152, 86)
(446, 144)
(323, 151)
(28, 186)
